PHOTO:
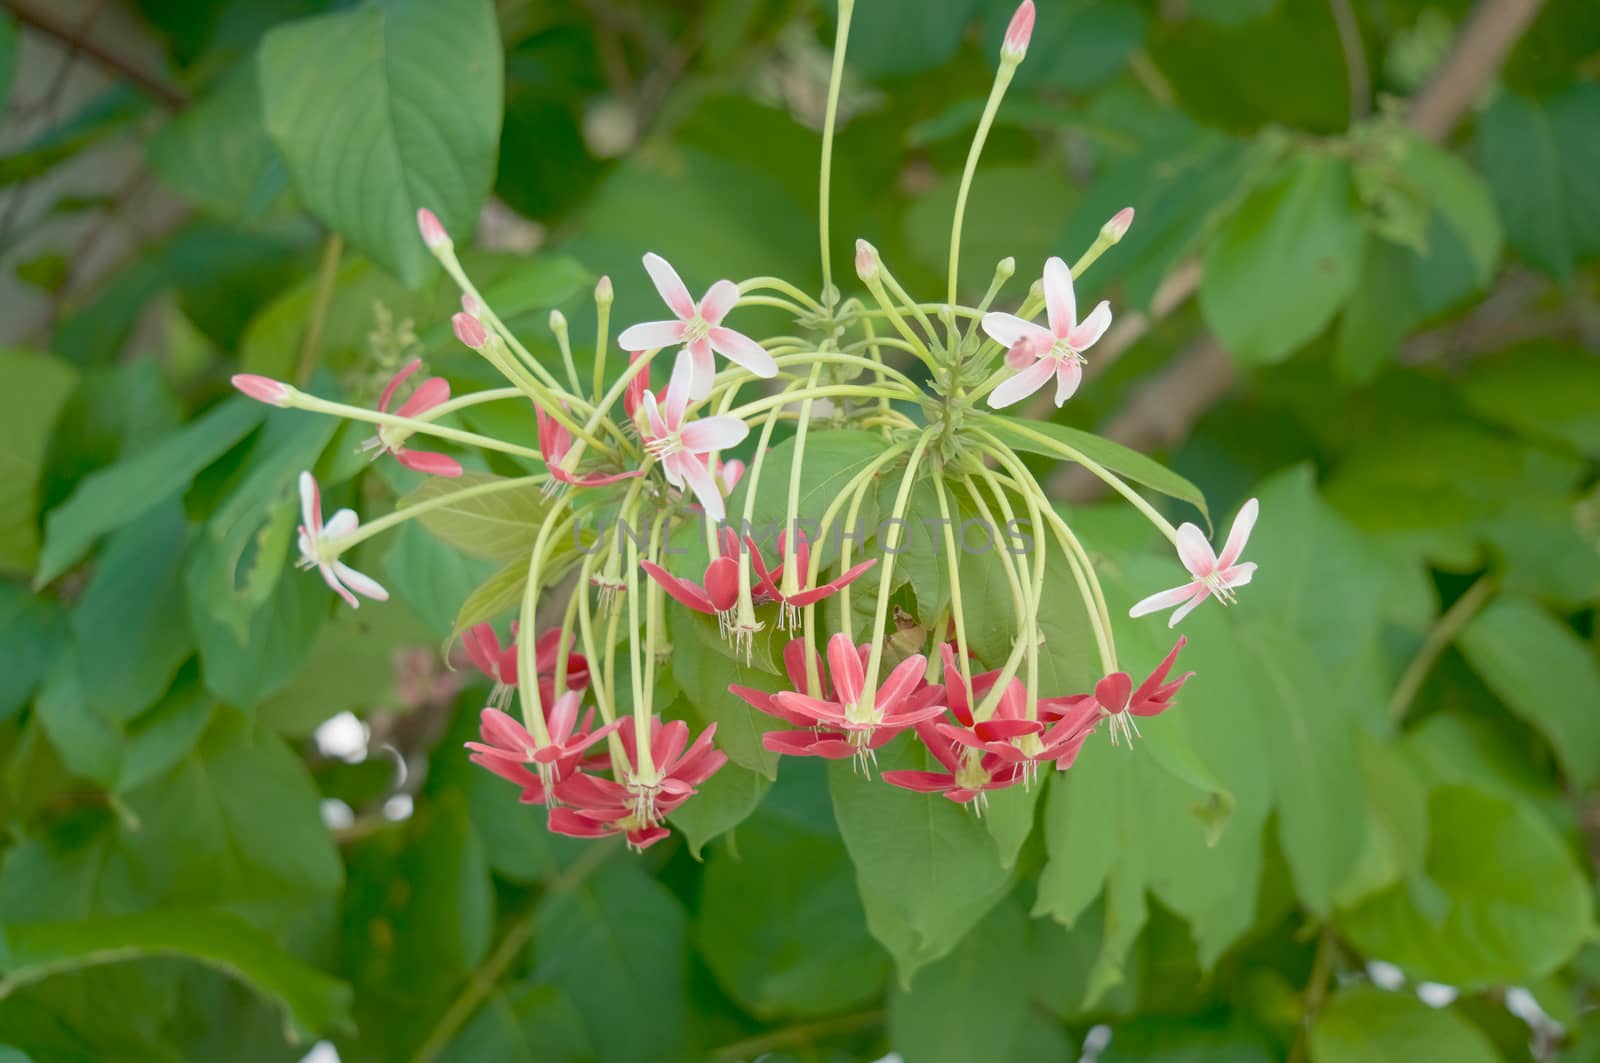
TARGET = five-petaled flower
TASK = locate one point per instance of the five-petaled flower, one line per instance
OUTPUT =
(698, 327)
(1116, 699)
(1007, 732)
(1214, 574)
(391, 439)
(968, 776)
(509, 749)
(717, 594)
(320, 549)
(636, 805)
(680, 447)
(1037, 353)
(499, 663)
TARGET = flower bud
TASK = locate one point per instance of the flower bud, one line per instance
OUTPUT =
(263, 389)
(432, 230)
(558, 323)
(602, 291)
(1015, 45)
(1005, 268)
(866, 260)
(1118, 226)
(470, 304)
(469, 330)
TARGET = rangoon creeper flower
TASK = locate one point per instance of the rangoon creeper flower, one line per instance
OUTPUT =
(769, 585)
(966, 779)
(499, 663)
(1116, 699)
(1037, 353)
(698, 327)
(1213, 574)
(319, 546)
(431, 393)
(508, 749)
(717, 594)
(1007, 733)
(680, 447)
(555, 443)
(636, 806)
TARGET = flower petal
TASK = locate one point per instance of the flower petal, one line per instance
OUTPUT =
(923, 782)
(394, 384)
(678, 388)
(742, 350)
(713, 433)
(1195, 552)
(649, 335)
(844, 665)
(1060, 302)
(670, 285)
(1238, 575)
(1091, 328)
(719, 299)
(1164, 599)
(331, 578)
(1068, 376)
(360, 583)
(652, 415)
(703, 484)
(1239, 534)
(1188, 607)
(341, 524)
(429, 463)
(1008, 330)
(310, 504)
(435, 391)
(681, 590)
(1022, 385)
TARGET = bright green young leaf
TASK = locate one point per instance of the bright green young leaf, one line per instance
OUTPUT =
(1499, 899)
(310, 999)
(113, 497)
(1544, 674)
(762, 899)
(1285, 262)
(927, 869)
(37, 385)
(217, 155)
(1125, 462)
(1365, 1024)
(406, 135)
(615, 944)
(493, 597)
(499, 525)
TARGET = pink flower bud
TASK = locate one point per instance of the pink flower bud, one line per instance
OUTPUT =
(1118, 226)
(433, 233)
(469, 330)
(603, 292)
(1017, 33)
(866, 260)
(471, 305)
(263, 389)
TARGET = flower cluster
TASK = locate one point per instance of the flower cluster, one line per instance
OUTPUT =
(916, 382)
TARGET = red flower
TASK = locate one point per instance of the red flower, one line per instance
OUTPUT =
(717, 595)
(508, 749)
(770, 583)
(555, 442)
(794, 662)
(499, 663)
(636, 806)
(1007, 733)
(1115, 698)
(431, 393)
(967, 775)
(850, 723)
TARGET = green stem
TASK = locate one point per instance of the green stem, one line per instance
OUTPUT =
(405, 513)
(835, 78)
(1440, 635)
(886, 572)
(304, 401)
(321, 299)
(1002, 79)
(957, 613)
(844, 391)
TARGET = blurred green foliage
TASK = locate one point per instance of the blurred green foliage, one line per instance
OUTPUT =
(1390, 755)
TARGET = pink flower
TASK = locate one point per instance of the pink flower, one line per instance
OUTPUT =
(509, 749)
(1008, 733)
(1115, 698)
(499, 663)
(263, 388)
(636, 805)
(319, 546)
(1037, 353)
(866, 261)
(1015, 45)
(1118, 226)
(794, 662)
(851, 723)
(698, 327)
(431, 393)
(432, 230)
(679, 446)
(716, 595)
(468, 329)
(1213, 574)
(966, 776)
(769, 585)
(728, 473)
(555, 442)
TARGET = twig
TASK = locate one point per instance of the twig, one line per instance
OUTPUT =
(1167, 407)
(800, 1033)
(1440, 635)
(1316, 992)
(1355, 59)
(169, 96)
(327, 273)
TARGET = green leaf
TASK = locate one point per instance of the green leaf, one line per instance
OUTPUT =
(894, 37)
(615, 945)
(430, 576)
(703, 671)
(350, 669)
(33, 632)
(966, 1006)
(1544, 674)
(927, 869)
(1382, 309)
(725, 800)
(216, 154)
(1456, 193)
(405, 135)
(1125, 462)
(1542, 391)
(310, 999)
(526, 1023)
(1364, 1024)
(493, 597)
(1285, 262)
(113, 497)
(1499, 899)
(831, 460)
(37, 386)
(8, 56)
(762, 901)
(498, 525)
